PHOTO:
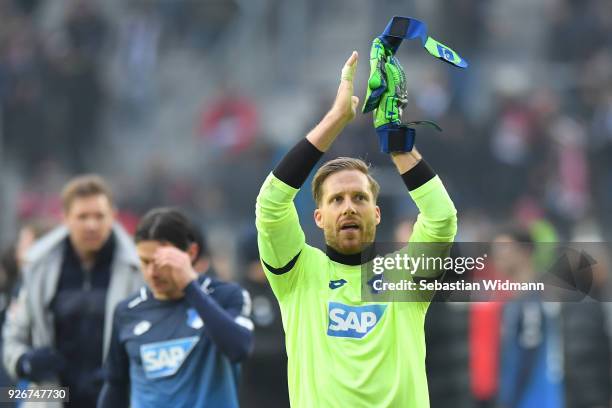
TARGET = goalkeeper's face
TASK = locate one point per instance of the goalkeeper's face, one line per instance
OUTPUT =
(347, 213)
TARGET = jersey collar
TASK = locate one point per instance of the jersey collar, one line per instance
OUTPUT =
(359, 258)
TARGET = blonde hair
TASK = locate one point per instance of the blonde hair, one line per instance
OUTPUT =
(340, 164)
(85, 186)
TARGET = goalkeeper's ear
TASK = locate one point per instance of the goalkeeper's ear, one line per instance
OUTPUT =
(318, 218)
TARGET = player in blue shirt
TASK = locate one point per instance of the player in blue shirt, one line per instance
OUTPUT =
(179, 341)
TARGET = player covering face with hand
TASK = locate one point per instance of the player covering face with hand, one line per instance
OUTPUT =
(179, 341)
(344, 352)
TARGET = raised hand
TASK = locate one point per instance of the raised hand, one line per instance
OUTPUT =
(178, 264)
(346, 103)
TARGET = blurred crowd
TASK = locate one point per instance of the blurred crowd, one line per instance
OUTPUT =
(527, 137)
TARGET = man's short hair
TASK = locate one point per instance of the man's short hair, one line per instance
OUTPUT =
(519, 235)
(85, 186)
(340, 164)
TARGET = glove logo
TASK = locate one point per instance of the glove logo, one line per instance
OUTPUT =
(163, 359)
(446, 53)
(353, 321)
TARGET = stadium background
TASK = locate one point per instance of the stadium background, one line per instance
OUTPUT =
(192, 102)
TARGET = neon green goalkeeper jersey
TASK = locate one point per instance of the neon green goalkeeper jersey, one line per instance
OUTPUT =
(343, 352)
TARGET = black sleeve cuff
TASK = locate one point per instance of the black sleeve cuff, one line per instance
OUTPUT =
(418, 175)
(297, 164)
(20, 369)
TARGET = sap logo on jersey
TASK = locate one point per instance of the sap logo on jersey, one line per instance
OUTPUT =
(164, 358)
(353, 321)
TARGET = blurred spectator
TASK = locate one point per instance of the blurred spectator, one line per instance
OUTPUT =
(8, 275)
(576, 32)
(512, 140)
(230, 121)
(86, 29)
(587, 362)
(586, 336)
(465, 23)
(57, 331)
(554, 354)
(484, 342)
(265, 373)
(28, 234)
(12, 261)
(531, 354)
(568, 190)
(254, 161)
(138, 45)
(51, 90)
(484, 336)
(209, 21)
(21, 93)
(600, 151)
(447, 361)
(446, 335)
(75, 89)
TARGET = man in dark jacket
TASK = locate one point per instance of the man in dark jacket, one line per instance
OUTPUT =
(58, 330)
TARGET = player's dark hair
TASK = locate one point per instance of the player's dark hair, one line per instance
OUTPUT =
(166, 225)
(200, 239)
(517, 234)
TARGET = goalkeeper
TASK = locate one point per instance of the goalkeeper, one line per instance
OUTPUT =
(341, 351)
